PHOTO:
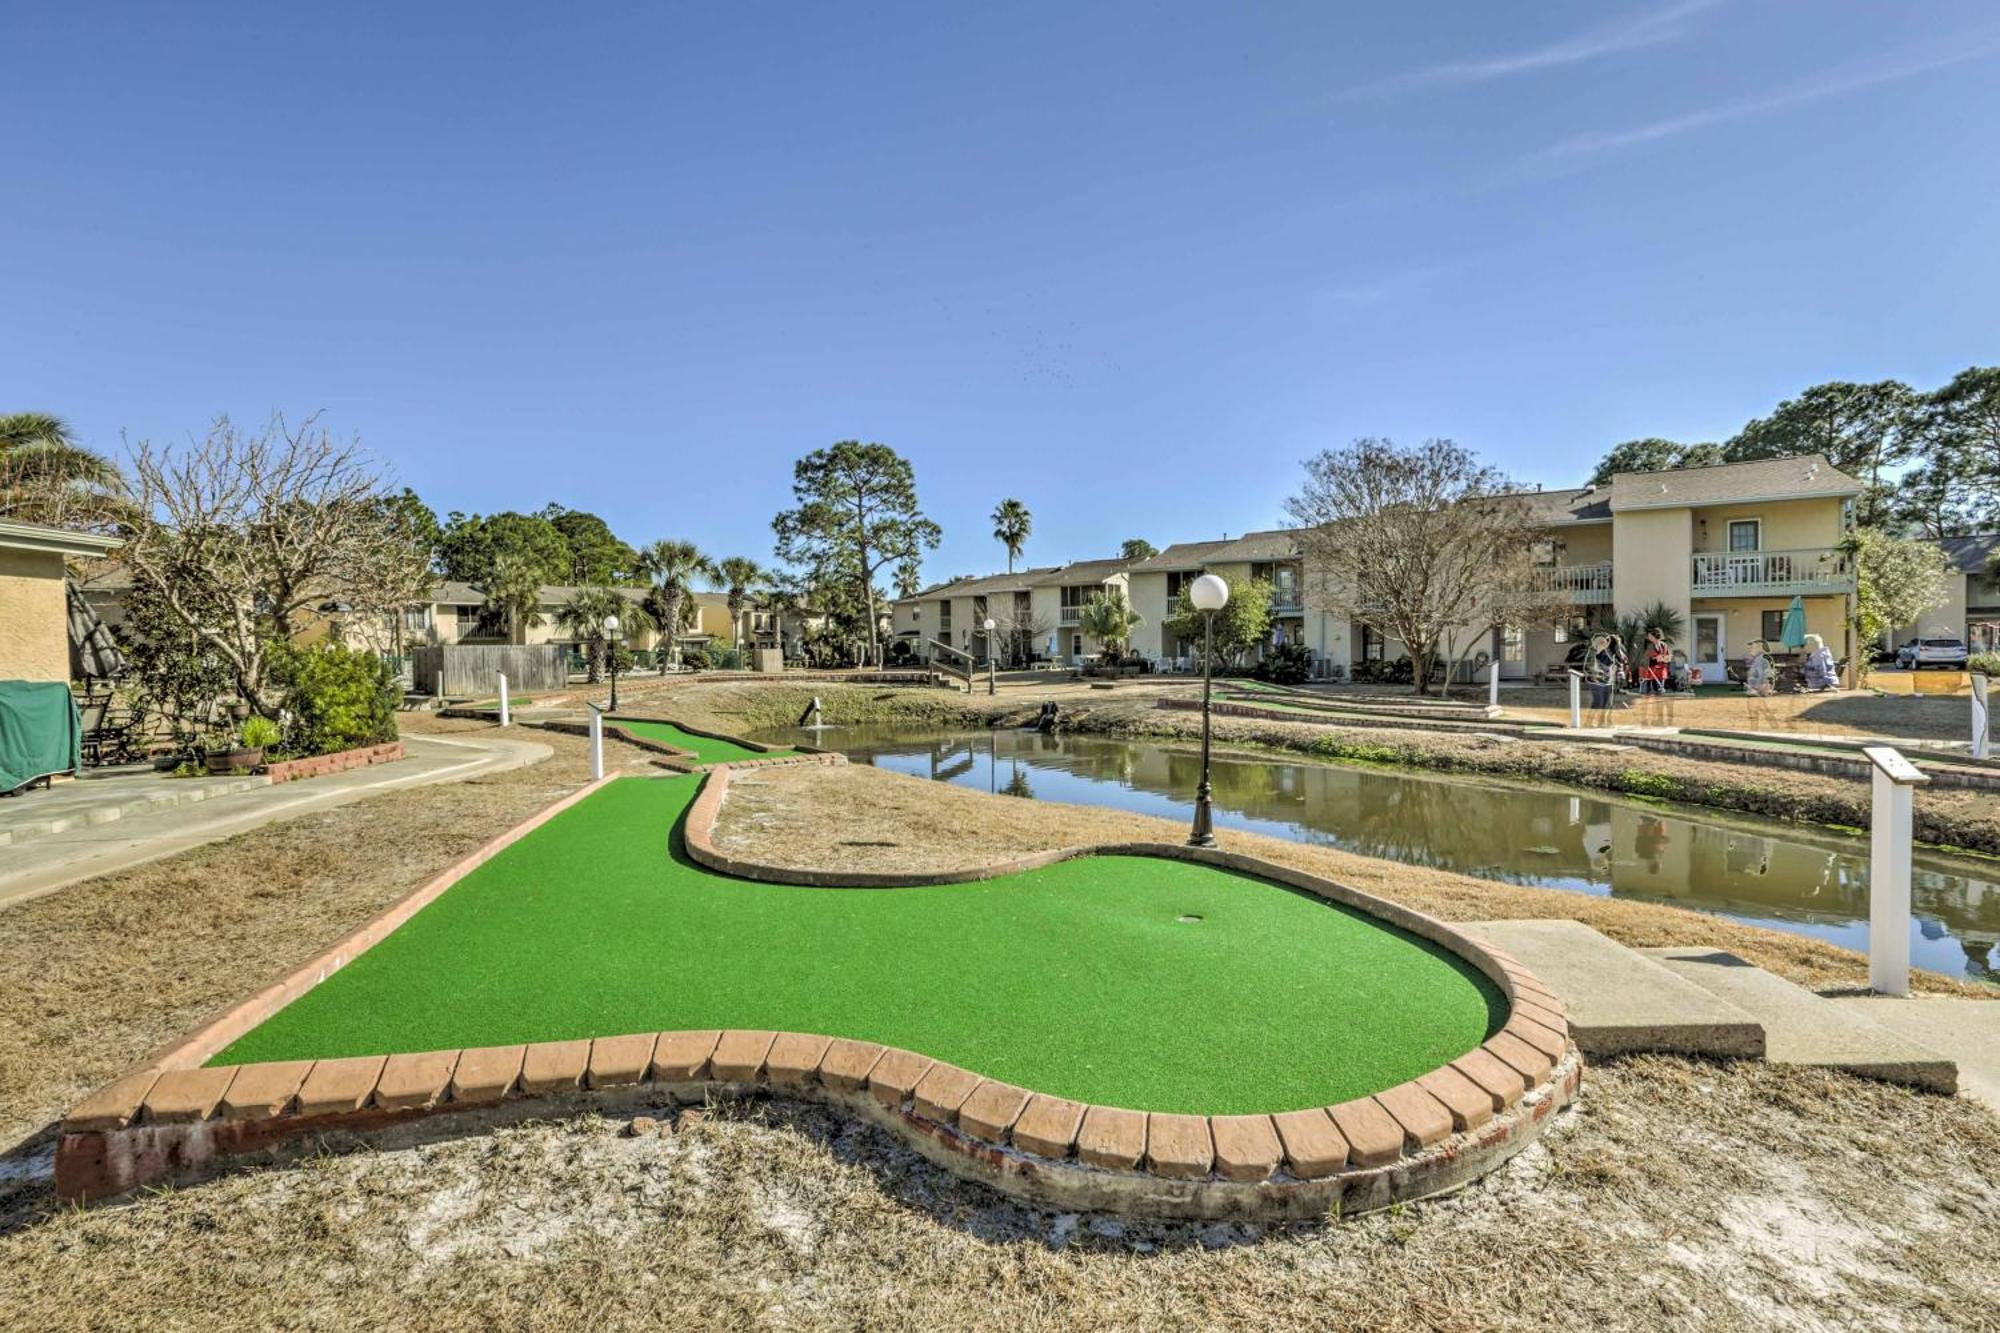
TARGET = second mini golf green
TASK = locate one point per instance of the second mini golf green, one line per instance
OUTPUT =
(1121, 980)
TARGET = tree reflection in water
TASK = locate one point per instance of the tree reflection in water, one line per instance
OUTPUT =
(1791, 879)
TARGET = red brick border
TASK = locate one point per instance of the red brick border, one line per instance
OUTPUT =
(174, 1118)
(319, 765)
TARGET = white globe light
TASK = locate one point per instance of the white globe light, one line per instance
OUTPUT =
(989, 624)
(611, 624)
(1209, 593)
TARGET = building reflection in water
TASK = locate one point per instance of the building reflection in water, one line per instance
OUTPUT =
(1792, 879)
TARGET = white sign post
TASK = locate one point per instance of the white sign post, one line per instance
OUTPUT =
(1575, 700)
(1896, 780)
(504, 716)
(1982, 717)
(1493, 685)
(596, 742)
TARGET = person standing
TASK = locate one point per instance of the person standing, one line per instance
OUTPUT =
(1600, 665)
(1820, 671)
(1653, 661)
(1757, 671)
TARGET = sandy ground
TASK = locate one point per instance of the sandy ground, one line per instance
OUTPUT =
(96, 975)
(1675, 1195)
(855, 817)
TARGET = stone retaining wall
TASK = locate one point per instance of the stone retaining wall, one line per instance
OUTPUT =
(174, 1119)
(319, 765)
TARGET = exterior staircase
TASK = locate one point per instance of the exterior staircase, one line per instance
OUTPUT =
(941, 654)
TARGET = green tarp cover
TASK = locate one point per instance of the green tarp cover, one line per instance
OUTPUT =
(40, 732)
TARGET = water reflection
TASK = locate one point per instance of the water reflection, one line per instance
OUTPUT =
(1795, 880)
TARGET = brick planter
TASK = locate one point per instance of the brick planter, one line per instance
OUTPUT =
(172, 1119)
(319, 765)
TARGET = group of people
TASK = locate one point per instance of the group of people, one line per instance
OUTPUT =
(1662, 668)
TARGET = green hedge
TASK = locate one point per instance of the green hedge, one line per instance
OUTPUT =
(337, 698)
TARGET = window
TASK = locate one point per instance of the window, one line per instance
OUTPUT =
(1773, 627)
(1371, 644)
(1746, 534)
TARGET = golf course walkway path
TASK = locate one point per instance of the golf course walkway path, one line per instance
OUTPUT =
(54, 860)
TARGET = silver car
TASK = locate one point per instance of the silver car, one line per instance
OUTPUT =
(1949, 654)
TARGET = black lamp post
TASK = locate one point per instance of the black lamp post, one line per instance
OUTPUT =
(1208, 594)
(611, 656)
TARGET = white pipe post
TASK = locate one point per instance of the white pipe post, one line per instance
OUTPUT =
(1982, 717)
(1575, 701)
(1493, 685)
(440, 687)
(1896, 780)
(596, 742)
(504, 715)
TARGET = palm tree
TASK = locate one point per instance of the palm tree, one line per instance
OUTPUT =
(1011, 526)
(583, 618)
(740, 577)
(1137, 548)
(672, 567)
(513, 589)
(1109, 618)
(44, 472)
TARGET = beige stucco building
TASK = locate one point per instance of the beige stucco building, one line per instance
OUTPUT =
(34, 608)
(1035, 614)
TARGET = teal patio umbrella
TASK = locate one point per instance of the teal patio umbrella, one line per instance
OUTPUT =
(1795, 624)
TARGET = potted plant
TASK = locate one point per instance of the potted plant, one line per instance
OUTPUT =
(256, 735)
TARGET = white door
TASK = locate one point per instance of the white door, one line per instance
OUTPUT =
(1710, 646)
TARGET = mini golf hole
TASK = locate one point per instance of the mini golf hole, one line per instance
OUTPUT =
(1188, 918)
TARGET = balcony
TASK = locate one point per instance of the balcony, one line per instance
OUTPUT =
(1587, 585)
(1071, 615)
(1814, 570)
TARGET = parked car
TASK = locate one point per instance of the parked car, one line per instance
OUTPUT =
(1893, 654)
(1949, 654)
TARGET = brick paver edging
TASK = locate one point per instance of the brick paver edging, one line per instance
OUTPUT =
(319, 765)
(174, 1119)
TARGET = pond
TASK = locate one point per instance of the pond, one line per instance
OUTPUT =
(1755, 871)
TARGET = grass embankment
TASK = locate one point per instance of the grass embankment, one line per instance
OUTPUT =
(1121, 980)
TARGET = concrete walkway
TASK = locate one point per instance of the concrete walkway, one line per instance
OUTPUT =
(101, 796)
(51, 860)
(1703, 1001)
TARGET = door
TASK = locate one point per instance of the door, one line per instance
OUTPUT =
(1510, 645)
(1711, 646)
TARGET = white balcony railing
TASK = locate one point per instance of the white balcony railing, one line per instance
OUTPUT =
(1816, 569)
(1071, 615)
(1587, 585)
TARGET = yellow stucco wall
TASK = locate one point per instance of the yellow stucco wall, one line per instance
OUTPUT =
(1585, 544)
(34, 617)
(1653, 555)
(1825, 616)
(1789, 525)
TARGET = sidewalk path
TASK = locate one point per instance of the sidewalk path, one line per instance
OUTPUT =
(55, 860)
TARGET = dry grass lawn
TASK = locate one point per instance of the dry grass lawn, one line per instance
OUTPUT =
(1675, 1195)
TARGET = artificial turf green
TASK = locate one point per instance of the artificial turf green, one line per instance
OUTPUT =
(1085, 979)
(707, 749)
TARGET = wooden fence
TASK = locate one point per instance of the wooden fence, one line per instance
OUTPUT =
(474, 669)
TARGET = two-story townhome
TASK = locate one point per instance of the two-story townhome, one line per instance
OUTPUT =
(1730, 546)
(1057, 599)
(1971, 606)
(1036, 614)
(1155, 585)
(954, 613)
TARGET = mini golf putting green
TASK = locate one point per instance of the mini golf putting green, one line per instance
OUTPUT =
(1122, 980)
(706, 749)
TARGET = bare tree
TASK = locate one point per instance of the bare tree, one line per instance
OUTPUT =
(1424, 545)
(239, 535)
(1021, 629)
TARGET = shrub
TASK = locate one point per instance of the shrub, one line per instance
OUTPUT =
(729, 659)
(696, 659)
(339, 698)
(261, 733)
(1987, 664)
(1288, 664)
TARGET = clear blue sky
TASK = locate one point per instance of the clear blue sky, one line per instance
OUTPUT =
(1130, 264)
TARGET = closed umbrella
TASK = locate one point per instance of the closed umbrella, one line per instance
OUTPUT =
(1795, 624)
